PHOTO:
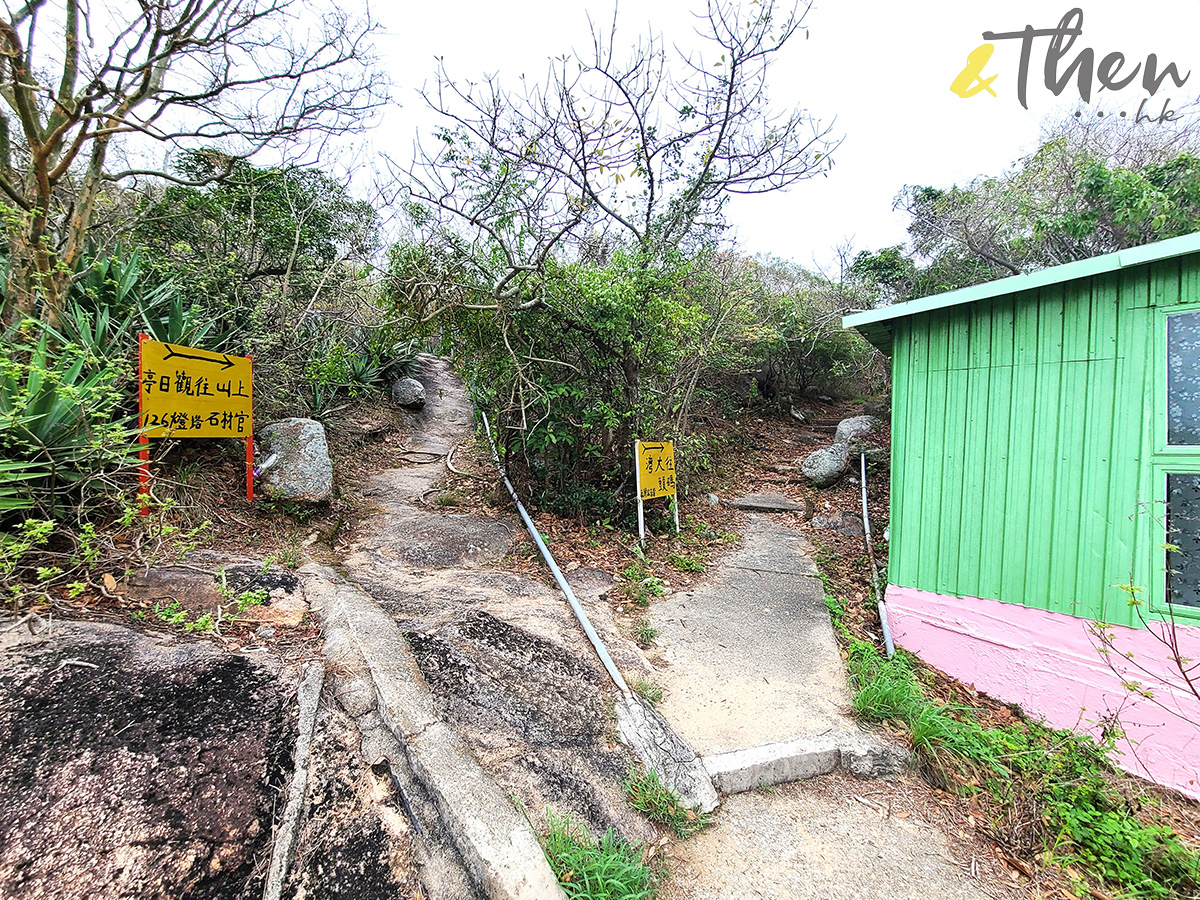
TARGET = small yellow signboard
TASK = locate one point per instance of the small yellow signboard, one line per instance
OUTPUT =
(656, 470)
(655, 477)
(188, 392)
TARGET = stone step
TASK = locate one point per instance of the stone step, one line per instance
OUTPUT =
(860, 754)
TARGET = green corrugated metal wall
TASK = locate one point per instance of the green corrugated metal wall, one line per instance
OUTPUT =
(1023, 433)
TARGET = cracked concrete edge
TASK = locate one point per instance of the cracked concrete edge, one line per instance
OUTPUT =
(441, 870)
(859, 754)
(497, 844)
(663, 750)
(309, 697)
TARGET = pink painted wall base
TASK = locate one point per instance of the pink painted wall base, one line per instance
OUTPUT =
(1049, 664)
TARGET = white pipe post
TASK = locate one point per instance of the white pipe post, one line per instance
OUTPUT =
(637, 481)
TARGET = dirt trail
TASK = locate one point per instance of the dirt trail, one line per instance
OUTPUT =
(507, 664)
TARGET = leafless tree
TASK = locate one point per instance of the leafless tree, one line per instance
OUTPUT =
(235, 74)
(641, 151)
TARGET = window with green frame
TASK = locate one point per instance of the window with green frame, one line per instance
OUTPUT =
(1177, 467)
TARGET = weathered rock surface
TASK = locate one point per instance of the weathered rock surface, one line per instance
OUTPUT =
(769, 501)
(303, 470)
(408, 393)
(841, 522)
(856, 426)
(356, 840)
(134, 766)
(827, 465)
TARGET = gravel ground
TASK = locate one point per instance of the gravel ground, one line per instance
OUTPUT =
(833, 838)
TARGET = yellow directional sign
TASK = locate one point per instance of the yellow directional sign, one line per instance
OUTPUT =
(656, 469)
(188, 392)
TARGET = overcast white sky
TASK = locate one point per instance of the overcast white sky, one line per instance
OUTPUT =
(883, 69)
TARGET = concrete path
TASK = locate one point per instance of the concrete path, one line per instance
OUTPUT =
(752, 673)
(751, 654)
(834, 838)
(754, 680)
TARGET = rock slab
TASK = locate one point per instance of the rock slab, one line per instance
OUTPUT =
(303, 470)
(766, 502)
(841, 522)
(134, 766)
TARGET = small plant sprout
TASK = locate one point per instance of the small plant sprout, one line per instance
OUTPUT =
(661, 804)
(648, 691)
(256, 597)
(645, 633)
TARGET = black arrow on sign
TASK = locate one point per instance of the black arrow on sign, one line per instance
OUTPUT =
(652, 447)
(227, 363)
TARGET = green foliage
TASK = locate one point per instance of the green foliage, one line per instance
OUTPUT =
(648, 691)
(1088, 189)
(247, 599)
(171, 613)
(608, 869)
(644, 632)
(640, 585)
(204, 624)
(17, 543)
(661, 804)
(686, 563)
(63, 418)
(1090, 824)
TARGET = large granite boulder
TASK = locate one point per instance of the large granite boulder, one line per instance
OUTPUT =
(302, 469)
(826, 466)
(856, 426)
(409, 394)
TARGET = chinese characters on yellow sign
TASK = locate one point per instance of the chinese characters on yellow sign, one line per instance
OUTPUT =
(186, 392)
(656, 470)
(655, 477)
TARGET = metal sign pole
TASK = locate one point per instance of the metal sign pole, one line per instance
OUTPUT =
(638, 486)
(675, 503)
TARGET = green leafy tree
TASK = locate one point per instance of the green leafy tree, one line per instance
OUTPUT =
(247, 73)
(611, 169)
(1092, 187)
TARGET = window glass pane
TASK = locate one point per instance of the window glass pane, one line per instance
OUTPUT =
(1183, 530)
(1183, 378)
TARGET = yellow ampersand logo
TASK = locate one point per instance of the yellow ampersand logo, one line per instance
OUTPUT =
(970, 81)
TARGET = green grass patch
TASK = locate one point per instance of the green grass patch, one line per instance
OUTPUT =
(686, 563)
(587, 869)
(644, 632)
(661, 804)
(640, 585)
(648, 691)
(1086, 822)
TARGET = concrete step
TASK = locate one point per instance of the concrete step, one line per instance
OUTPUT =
(857, 753)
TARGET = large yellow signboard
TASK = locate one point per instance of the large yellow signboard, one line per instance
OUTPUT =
(188, 392)
(656, 469)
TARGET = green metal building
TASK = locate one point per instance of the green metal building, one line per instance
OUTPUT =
(1045, 440)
